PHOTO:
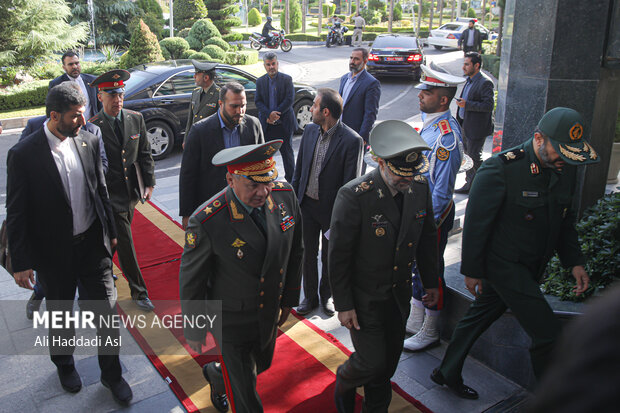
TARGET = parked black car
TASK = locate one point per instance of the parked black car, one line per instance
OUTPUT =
(161, 91)
(396, 55)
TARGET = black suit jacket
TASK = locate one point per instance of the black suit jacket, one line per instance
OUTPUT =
(478, 123)
(95, 104)
(38, 121)
(286, 96)
(342, 163)
(39, 217)
(199, 179)
(360, 109)
(477, 39)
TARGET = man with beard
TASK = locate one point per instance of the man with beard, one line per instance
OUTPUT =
(199, 179)
(519, 214)
(244, 248)
(59, 223)
(442, 133)
(131, 172)
(360, 93)
(73, 73)
(381, 223)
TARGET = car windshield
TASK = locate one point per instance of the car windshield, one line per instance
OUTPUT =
(452, 26)
(136, 80)
(401, 42)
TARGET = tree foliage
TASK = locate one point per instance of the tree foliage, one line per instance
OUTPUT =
(222, 13)
(31, 30)
(188, 12)
(143, 49)
(152, 15)
(111, 18)
(173, 47)
(294, 16)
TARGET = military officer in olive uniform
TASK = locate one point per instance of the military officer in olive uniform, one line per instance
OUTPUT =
(205, 96)
(243, 247)
(518, 216)
(131, 171)
(380, 224)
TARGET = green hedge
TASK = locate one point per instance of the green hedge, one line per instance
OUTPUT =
(214, 51)
(24, 96)
(233, 37)
(301, 37)
(241, 57)
(219, 42)
(491, 62)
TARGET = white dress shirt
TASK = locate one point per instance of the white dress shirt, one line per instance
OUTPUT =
(87, 112)
(69, 166)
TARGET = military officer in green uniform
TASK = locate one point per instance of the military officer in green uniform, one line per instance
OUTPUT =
(131, 171)
(518, 216)
(243, 247)
(205, 96)
(380, 224)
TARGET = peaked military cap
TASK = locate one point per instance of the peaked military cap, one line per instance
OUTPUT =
(401, 146)
(112, 81)
(203, 66)
(565, 130)
(254, 162)
(436, 76)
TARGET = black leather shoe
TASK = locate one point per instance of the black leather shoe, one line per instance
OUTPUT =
(70, 380)
(145, 304)
(219, 400)
(459, 389)
(328, 307)
(306, 307)
(31, 306)
(462, 190)
(120, 391)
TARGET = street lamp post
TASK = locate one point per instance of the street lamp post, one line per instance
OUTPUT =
(171, 20)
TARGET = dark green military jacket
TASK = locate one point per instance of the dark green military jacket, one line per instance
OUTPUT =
(372, 248)
(198, 109)
(121, 178)
(519, 213)
(226, 258)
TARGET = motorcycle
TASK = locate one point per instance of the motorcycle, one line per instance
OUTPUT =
(257, 41)
(336, 35)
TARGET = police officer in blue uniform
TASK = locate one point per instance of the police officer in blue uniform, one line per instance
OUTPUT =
(442, 134)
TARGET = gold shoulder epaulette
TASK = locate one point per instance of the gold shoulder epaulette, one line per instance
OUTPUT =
(211, 208)
(281, 186)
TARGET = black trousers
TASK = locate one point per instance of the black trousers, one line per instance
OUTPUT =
(473, 148)
(91, 265)
(378, 345)
(286, 150)
(313, 230)
(127, 255)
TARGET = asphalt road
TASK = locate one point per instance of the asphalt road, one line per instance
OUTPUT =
(315, 65)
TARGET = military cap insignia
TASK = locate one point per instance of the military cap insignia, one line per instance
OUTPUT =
(115, 76)
(512, 155)
(576, 132)
(238, 243)
(270, 150)
(444, 127)
(534, 168)
(588, 148)
(190, 240)
(419, 178)
(571, 155)
(443, 154)
(234, 211)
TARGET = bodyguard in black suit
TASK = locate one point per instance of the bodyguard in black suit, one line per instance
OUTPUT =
(274, 101)
(471, 39)
(330, 155)
(59, 221)
(475, 113)
(199, 179)
(73, 72)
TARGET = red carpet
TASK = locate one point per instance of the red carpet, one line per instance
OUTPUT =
(301, 378)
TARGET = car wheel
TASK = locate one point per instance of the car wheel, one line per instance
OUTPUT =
(255, 45)
(303, 114)
(161, 139)
(438, 47)
(286, 45)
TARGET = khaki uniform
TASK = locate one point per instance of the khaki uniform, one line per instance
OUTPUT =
(202, 107)
(360, 23)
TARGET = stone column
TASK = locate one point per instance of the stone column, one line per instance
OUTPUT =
(555, 53)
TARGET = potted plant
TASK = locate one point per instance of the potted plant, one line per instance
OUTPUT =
(614, 161)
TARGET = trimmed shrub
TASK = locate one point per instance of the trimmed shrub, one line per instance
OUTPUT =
(241, 57)
(144, 47)
(201, 31)
(173, 47)
(254, 18)
(188, 53)
(266, 9)
(187, 12)
(294, 16)
(24, 96)
(219, 42)
(183, 33)
(471, 13)
(214, 51)
(235, 37)
(200, 56)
